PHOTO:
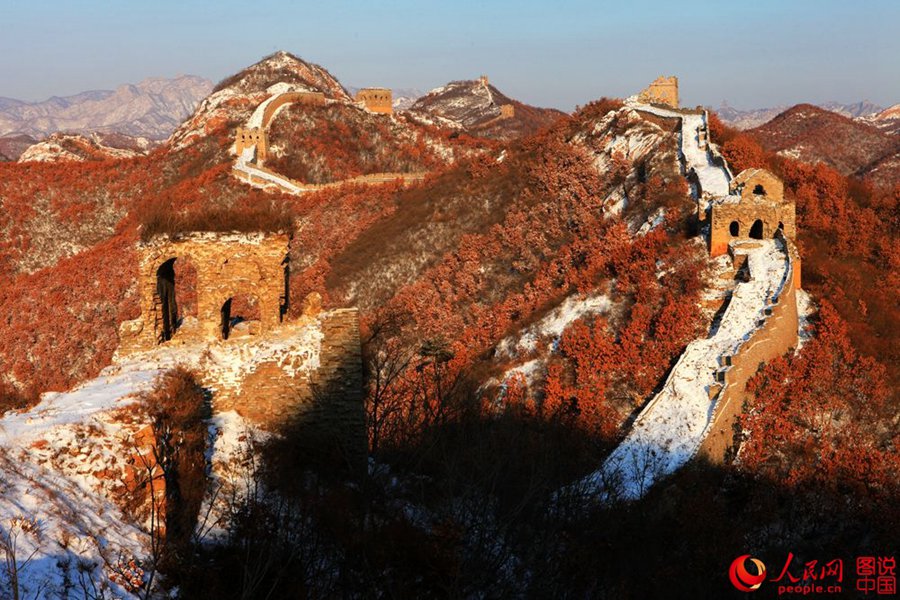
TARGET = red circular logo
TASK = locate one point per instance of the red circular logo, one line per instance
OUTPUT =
(743, 579)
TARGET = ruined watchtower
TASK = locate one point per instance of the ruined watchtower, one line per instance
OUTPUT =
(756, 208)
(204, 286)
(664, 90)
(378, 100)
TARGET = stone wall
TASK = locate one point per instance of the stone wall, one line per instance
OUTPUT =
(305, 98)
(664, 90)
(734, 217)
(227, 265)
(507, 111)
(324, 405)
(378, 100)
(757, 182)
(263, 177)
(776, 336)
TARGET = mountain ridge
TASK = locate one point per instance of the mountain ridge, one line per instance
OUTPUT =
(151, 108)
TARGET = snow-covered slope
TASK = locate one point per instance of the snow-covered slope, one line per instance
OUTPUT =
(73, 147)
(474, 106)
(64, 460)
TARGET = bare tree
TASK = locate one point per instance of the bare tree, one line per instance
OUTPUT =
(9, 543)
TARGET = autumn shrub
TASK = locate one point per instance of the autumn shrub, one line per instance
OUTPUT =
(11, 398)
(158, 219)
(177, 407)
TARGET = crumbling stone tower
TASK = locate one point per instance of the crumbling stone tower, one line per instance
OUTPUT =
(250, 269)
(664, 90)
(756, 209)
(378, 100)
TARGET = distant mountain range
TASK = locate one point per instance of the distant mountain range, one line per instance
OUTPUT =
(754, 117)
(151, 109)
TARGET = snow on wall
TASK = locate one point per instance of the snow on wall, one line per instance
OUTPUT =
(669, 430)
(714, 178)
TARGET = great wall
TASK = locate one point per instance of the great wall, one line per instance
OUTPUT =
(252, 147)
(745, 216)
(695, 412)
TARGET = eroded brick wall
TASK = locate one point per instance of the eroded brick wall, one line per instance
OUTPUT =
(378, 100)
(252, 138)
(755, 195)
(322, 406)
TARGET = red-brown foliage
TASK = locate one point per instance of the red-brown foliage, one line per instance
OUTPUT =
(324, 144)
(176, 408)
(824, 416)
(60, 324)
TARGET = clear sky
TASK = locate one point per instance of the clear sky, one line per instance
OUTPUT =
(754, 53)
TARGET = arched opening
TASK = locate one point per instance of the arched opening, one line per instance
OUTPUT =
(780, 227)
(734, 229)
(168, 307)
(240, 316)
(286, 297)
(225, 324)
(759, 190)
(176, 296)
(756, 231)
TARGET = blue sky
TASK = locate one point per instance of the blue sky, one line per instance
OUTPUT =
(753, 53)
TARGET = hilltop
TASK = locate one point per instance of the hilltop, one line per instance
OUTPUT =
(811, 134)
(480, 109)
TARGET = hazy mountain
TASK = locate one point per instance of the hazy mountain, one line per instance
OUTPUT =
(152, 108)
(754, 117)
(851, 146)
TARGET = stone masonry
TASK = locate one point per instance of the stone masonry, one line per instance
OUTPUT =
(755, 208)
(776, 335)
(227, 265)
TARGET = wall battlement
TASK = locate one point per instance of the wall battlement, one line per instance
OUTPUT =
(377, 100)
